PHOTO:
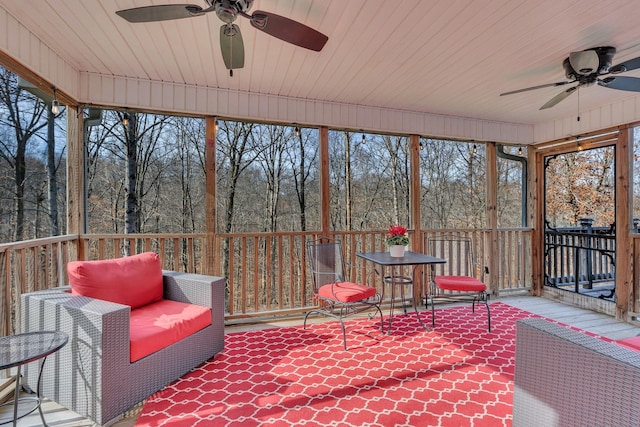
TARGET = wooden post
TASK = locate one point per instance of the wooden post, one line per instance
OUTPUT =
(492, 215)
(416, 221)
(211, 266)
(624, 225)
(76, 202)
(536, 219)
(325, 200)
(414, 192)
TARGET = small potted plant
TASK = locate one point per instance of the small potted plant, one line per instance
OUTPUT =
(397, 238)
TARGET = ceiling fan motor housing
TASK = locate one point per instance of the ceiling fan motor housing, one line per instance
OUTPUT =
(605, 54)
(227, 10)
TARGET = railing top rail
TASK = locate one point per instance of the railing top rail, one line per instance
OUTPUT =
(583, 233)
(37, 242)
(141, 235)
(360, 232)
(69, 237)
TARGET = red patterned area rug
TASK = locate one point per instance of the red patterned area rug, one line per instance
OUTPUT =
(455, 375)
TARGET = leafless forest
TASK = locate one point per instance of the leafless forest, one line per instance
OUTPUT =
(146, 174)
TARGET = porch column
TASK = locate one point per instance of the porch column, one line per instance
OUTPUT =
(624, 225)
(536, 219)
(416, 221)
(414, 191)
(493, 248)
(211, 266)
(76, 221)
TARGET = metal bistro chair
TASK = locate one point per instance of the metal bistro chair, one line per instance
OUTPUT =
(462, 277)
(336, 296)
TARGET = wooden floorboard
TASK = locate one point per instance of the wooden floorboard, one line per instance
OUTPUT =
(587, 320)
(597, 323)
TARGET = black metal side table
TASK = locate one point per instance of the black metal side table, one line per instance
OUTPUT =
(17, 350)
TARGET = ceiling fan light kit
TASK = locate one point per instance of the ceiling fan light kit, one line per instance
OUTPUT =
(231, 44)
(587, 68)
(584, 63)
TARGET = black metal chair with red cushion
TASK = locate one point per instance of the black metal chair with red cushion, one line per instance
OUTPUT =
(461, 278)
(337, 297)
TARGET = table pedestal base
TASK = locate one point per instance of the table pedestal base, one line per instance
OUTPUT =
(401, 282)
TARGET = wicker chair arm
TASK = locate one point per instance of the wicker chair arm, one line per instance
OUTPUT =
(93, 309)
(191, 288)
(94, 320)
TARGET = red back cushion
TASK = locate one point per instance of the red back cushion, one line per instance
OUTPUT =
(134, 281)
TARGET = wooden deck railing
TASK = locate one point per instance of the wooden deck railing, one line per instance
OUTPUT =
(178, 252)
(266, 272)
(512, 258)
(29, 266)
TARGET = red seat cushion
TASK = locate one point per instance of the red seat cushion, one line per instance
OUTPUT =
(633, 343)
(346, 291)
(134, 280)
(163, 323)
(460, 283)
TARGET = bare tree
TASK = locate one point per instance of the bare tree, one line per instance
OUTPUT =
(453, 182)
(276, 141)
(24, 115)
(302, 164)
(190, 171)
(237, 147)
(139, 149)
(132, 224)
(399, 171)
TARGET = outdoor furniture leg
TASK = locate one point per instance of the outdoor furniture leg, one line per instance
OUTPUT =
(401, 281)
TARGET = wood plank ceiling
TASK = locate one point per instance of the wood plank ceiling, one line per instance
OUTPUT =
(437, 56)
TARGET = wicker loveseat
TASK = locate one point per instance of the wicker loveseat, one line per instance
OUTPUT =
(94, 374)
(567, 378)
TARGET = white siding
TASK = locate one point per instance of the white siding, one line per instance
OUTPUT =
(615, 114)
(187, 99)
(22, 45)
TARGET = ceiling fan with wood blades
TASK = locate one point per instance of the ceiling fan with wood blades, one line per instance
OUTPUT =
(231, 43)
(589, 67)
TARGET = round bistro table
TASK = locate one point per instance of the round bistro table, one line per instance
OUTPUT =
(17, 350)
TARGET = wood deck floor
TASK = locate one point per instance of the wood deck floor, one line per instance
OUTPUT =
(597, 323)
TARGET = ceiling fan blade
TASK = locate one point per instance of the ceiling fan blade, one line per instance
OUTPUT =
(631, 84)
(288, 30)
(232, 46)
(161, 12)
(559, 97)
(629, 65)
(536, 87)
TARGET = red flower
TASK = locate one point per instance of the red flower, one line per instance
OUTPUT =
(397, 230)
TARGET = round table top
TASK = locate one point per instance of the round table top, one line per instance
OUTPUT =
(19, 349)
